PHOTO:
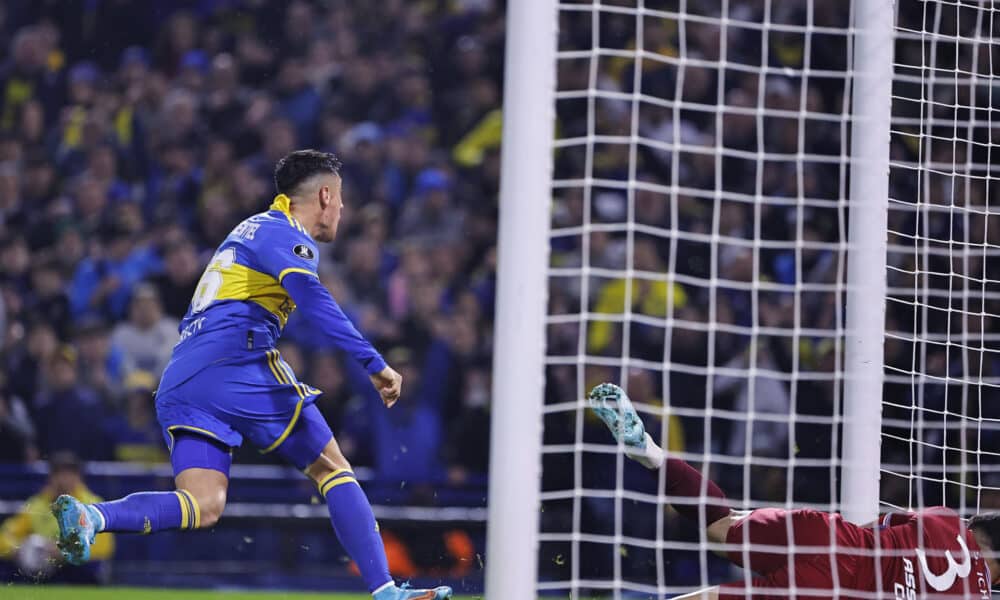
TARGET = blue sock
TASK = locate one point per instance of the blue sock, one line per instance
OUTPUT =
(146, 512)
(355, 525)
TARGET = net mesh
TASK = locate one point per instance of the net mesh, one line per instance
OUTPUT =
(698, 259)
(940, 428)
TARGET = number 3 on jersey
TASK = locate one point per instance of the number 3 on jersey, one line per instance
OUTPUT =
(211, 280)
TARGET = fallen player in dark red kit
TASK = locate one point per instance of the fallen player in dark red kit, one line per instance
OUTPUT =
(923, 554)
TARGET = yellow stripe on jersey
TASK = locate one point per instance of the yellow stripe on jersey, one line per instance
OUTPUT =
(283, 204)
(289, 270)
(240, 282)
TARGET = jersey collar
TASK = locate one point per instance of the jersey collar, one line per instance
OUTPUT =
(282, 204)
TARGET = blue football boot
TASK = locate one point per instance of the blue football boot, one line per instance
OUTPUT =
(611, 404)
(77, 528)
(404, 592)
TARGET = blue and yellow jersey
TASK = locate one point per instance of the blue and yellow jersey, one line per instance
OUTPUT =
(239, 303)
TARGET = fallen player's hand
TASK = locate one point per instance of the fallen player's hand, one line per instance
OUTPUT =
(388, 383)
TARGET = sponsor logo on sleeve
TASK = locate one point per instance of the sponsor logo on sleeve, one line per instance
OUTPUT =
(304, 252)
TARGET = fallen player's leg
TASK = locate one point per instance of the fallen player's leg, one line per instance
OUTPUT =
(760, 540)
(688, 489)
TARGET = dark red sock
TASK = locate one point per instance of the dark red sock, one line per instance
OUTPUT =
(683, 480)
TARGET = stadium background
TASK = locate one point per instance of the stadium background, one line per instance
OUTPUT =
(134, 135)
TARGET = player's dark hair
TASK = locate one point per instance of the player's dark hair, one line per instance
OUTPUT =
(988, 525)
(300, 165)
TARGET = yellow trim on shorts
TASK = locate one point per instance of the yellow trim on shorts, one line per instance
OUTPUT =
(337, 482)
(299, 387)
(273, 363)
(195, 509)
(288, 430)
(185, 515)
(170, 432)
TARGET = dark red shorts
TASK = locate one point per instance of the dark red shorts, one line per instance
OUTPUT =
(809, 551)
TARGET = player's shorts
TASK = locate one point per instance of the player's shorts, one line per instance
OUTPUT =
(807, 551)
(255, 396)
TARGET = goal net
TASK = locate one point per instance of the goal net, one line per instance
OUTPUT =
(941, 434)
(699, 258)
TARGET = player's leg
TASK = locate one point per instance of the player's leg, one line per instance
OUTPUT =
(310, 446)
(202, 468)
(686, 486)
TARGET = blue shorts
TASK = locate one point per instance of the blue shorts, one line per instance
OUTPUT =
(255, 396)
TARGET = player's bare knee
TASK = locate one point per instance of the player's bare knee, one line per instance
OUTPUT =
(329, 461)
(211, 502)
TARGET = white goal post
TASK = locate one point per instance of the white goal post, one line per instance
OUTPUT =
(522, 262)
(773, 223)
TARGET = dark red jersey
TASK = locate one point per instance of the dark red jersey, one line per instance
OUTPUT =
(817, 555)
(931, 553)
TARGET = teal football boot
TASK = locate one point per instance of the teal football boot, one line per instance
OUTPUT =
(77, 528)
(612, 405)
(404, 592)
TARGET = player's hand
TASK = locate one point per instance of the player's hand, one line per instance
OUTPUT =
(388, 383)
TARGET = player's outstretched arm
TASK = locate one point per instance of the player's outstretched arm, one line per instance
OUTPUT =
(323, 312)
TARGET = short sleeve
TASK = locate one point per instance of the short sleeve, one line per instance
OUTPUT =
(280, 250)
(894, 519)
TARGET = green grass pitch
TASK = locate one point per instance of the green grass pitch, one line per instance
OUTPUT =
(41, 592)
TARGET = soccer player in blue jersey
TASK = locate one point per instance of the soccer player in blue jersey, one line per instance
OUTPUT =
(226, 381)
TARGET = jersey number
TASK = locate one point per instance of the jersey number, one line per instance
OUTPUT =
(945, 580)
(211, 280)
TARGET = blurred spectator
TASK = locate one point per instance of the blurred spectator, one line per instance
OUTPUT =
(101, 365)
(430, 214)
(29, 537)
(25, 76)
(408, 438)
(17, 432)
(469, 430)
(69, 414)
(135, 434)
(176, 285)
(49, 300)
(102, 285)
(147, 339)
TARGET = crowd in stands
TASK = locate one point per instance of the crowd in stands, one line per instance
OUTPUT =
(734, 139)
(134, 136)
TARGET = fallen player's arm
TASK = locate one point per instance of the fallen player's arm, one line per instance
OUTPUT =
(889, 519)
(324, 314)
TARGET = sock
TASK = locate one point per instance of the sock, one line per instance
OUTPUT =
(355, 525)
(146, 512)
(651, 456)
(683, 480)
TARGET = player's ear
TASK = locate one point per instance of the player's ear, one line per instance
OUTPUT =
(325, 197)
